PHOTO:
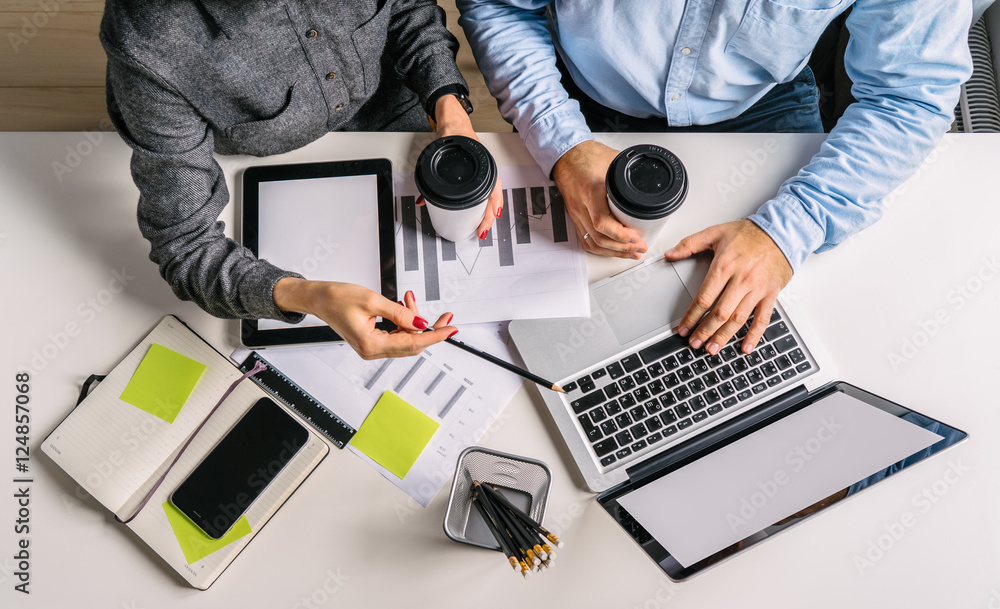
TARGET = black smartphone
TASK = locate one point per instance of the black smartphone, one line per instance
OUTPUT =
(228, 480)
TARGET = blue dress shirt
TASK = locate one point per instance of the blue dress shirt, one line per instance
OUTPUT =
(699, 62)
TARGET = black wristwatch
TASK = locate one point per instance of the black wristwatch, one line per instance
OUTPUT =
(457, 90)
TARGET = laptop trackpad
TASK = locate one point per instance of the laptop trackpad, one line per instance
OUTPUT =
(643, 300)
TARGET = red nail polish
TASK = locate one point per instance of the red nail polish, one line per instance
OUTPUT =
(419, 323)
(400, 303)
(482, 235)
(499, 211)
(409, 294)
(453, 334)
(450, 317)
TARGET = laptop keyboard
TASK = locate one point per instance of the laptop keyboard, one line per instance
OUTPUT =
(630, 406)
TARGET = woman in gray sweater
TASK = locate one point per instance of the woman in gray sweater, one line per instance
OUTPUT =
(187, 78)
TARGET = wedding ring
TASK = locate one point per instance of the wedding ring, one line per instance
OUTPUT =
(586, 236)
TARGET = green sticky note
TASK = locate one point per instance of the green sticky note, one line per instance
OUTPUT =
(394, 434)
(163, 382)
(195, 543)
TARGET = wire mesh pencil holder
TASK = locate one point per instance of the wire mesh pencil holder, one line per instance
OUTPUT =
(522, 481)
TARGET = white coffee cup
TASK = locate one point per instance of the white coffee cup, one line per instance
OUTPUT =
(456, 175)
(646, 184)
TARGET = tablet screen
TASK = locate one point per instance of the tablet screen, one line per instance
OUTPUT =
(707, 509)
(322, 228)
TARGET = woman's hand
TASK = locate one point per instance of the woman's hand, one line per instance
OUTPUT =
(351, 311)
(453, 120)
(410, 302)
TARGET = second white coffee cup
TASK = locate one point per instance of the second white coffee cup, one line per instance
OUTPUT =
(646, 184)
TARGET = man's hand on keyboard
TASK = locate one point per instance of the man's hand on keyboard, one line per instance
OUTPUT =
(747, 273)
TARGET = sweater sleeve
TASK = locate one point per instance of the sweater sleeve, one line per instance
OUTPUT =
(182, 191)
(422, 48)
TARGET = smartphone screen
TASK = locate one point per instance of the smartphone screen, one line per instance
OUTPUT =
(224, 485)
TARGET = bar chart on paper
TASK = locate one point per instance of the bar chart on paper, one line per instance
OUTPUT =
(424, 381)
(529, 265)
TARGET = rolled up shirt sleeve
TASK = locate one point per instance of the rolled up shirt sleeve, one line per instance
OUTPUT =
(907, 60)
(182, 191)
(514, 49)
(422, 48)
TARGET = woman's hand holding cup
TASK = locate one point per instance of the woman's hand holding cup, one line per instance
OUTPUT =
(452, 120)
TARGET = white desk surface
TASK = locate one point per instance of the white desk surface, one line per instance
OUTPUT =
(349, 538)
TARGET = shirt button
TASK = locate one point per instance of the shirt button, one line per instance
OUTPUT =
(685, 51)
(339, 108)
(311, 33)
(331, 76)
(675, 97)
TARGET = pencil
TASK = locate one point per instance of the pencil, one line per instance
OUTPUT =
(505, 365)
(496, 533)
(514, 528)
(495, 494)
(523, 559)
(501, 520)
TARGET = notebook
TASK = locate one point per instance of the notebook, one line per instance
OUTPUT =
(118, 442)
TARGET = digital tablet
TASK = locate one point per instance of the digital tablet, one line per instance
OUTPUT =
(326, 221)
(711, 504)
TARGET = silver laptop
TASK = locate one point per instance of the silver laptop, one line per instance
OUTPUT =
(635, 389)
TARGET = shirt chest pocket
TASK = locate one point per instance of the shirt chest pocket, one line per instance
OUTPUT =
(778, 36)
(289, 128)
(369, 43)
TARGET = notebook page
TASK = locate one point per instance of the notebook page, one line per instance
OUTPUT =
(152, 524)
(110, 447)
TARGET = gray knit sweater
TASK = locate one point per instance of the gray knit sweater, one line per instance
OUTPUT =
(259, 77)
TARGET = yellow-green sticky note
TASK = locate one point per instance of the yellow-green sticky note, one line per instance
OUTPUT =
(195, 543)
(163, 382)
(394, 434)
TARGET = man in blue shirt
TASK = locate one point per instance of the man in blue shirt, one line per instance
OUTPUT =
(714, 65)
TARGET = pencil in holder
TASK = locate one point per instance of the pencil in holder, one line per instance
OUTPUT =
(523, 482)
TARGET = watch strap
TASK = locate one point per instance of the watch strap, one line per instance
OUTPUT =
(457, 90)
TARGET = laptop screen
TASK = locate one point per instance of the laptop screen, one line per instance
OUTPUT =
(723, 501)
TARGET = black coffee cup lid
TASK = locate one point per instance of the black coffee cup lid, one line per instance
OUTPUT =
(455, 172)
(647, 181)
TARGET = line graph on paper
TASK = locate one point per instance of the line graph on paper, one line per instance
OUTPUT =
(531, 263)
